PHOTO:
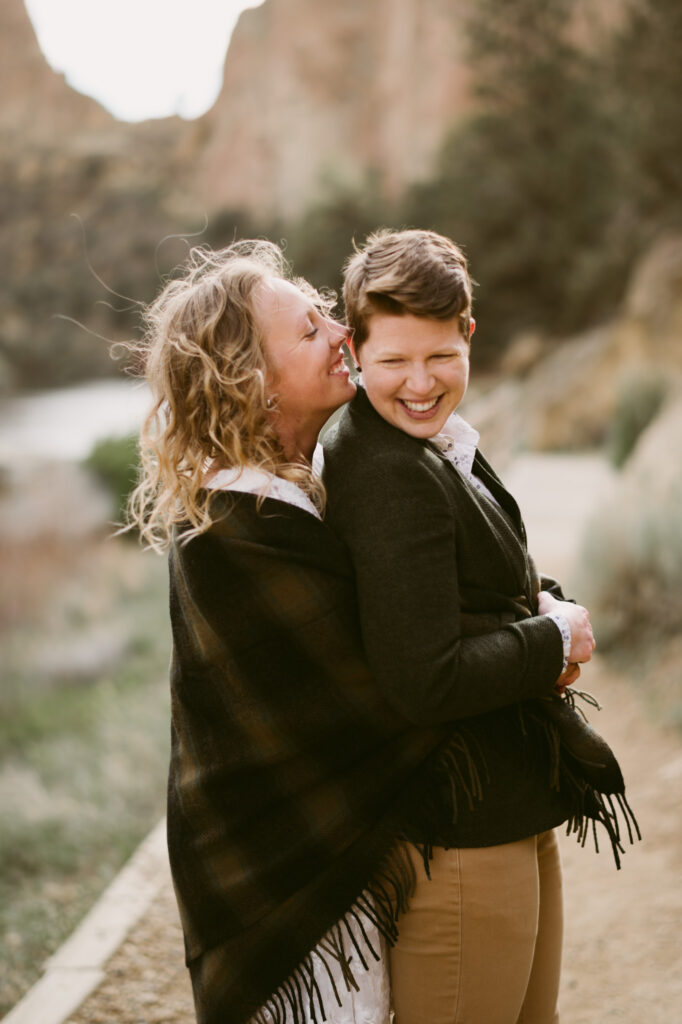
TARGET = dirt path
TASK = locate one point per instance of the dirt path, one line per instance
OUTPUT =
(622, 950)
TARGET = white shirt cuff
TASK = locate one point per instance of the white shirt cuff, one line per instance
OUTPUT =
(561, 622)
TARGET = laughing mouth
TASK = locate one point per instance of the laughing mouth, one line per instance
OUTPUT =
(420, 406)
(338, 367)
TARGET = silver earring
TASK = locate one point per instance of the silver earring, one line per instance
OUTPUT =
(268, 403)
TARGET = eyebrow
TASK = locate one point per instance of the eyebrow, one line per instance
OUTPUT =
(445, 349)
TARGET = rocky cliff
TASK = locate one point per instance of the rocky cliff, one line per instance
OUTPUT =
(37, 104)
(563, 396)
(62, 157)
(315, 95)
(318, 95)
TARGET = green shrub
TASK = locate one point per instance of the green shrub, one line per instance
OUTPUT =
(630, 570)
(115, 462)
(639, 399)
(629, 567)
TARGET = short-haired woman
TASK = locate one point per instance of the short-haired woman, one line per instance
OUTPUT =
(460, 631)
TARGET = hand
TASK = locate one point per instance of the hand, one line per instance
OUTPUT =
(569, 676)
(578, 618)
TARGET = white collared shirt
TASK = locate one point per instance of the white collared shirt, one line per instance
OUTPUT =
(250, 480)
(458, 442)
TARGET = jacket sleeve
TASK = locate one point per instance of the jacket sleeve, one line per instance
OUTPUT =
(399, 523)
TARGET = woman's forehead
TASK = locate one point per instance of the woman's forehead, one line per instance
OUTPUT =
(410, 333)
(276, 298)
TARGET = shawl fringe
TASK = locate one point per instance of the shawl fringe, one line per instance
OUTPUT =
(298, 999)
(585, 770)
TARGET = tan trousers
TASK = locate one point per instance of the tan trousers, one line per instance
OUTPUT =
(481, 941)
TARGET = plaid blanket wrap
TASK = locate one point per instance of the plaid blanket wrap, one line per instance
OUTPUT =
(289, 773)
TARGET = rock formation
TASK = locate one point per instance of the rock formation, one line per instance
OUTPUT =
(37, 104)
(567, 398)
(316, 97)
(319, 95)
(62, 154)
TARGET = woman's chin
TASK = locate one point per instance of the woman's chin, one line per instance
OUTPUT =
(348, 387)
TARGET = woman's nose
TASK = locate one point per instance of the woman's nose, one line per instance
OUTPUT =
(420, 378)
(338, 333)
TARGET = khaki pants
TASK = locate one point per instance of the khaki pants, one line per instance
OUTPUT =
(481, 941)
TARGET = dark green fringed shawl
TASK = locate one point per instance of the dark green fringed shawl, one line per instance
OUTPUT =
(291, 777)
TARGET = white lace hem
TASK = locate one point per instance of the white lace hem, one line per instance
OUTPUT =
(371, 1004)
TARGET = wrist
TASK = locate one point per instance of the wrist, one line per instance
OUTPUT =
(562, 624)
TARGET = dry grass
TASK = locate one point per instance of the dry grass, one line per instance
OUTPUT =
(31, 571)
(84, 645)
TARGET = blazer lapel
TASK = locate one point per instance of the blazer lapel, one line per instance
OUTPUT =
(487, 474)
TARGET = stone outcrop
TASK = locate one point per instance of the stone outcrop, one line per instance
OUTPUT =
(315, 97)
(37, 104)
(319, 95)
(62, 156)
(566, 399)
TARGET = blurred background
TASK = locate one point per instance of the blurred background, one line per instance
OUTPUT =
(542, 135)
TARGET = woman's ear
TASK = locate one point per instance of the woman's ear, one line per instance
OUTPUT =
(472, 326)
(351, 348)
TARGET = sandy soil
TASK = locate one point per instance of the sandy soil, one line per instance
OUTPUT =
(622, 950)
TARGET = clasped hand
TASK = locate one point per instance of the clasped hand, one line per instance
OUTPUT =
(582, 637)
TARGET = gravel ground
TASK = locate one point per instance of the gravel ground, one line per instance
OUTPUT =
(146, 980)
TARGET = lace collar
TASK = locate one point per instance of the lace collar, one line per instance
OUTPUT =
(458, 442)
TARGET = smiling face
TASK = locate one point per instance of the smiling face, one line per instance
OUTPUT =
(307, 377)
(415, 370)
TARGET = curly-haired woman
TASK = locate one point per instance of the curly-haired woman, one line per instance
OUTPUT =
(290, 775)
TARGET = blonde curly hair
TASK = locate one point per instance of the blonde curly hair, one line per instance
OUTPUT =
(204, 362)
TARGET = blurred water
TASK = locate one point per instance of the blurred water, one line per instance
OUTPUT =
(65, 423)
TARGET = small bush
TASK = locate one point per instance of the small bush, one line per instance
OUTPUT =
(115, 462)
(639, 400)
(630, 564)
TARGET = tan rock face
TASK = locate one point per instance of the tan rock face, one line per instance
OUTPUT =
(315, 95)
(320, 94)
(62, 156)
(36, 101)
(567, 399)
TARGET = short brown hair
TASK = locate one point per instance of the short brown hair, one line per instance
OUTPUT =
(413, 271)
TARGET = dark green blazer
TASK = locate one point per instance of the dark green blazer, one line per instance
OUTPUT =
(447, 595)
